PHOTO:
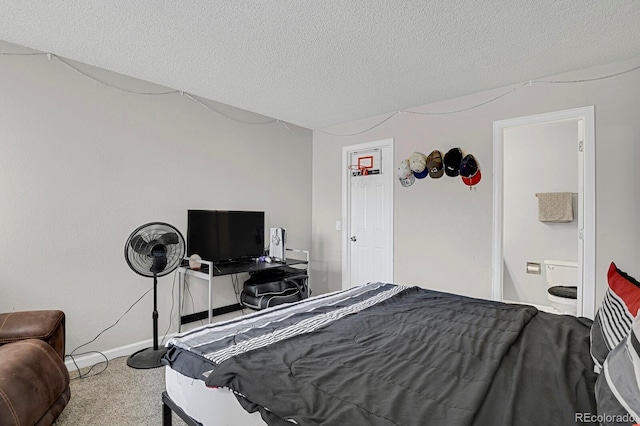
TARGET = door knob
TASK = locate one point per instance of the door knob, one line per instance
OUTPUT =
(353, 238)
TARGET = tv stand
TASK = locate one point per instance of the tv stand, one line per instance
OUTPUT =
(218, 269)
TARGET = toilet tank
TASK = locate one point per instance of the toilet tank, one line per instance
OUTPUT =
(561, 272)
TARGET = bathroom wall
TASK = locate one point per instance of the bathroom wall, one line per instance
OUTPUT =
(539, 158)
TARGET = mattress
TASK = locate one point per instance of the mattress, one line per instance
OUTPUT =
(383, 354)
(208, 406)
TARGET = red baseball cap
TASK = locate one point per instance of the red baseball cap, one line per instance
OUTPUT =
(472, 180)
(469, 170)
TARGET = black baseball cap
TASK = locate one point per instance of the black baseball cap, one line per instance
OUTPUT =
(452, 160)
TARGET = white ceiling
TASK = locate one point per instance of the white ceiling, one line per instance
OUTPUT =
(317, 63)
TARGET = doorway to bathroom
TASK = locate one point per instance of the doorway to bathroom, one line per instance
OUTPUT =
(536, 157)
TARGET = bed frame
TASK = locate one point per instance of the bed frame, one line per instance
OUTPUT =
(168, 406)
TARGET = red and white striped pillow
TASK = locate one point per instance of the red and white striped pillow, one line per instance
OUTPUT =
(612, 323)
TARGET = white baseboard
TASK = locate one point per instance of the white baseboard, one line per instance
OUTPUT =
(95, 358)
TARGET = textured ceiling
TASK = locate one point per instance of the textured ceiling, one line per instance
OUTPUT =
(318, 63)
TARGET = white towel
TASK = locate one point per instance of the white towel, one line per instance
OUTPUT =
(555, 206)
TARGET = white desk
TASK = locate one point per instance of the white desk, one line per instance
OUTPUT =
(218, 270)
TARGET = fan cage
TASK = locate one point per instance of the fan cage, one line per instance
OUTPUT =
(141, 263)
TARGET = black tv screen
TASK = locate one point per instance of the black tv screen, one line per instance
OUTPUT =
(224, 235)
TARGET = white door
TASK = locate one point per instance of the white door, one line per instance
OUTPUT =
(368, 214)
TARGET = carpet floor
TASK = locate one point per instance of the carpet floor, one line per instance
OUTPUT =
(119, 396)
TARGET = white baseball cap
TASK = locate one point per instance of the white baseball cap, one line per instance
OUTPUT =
(404, 174)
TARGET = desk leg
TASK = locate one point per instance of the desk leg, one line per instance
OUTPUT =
(180, 284)
(210, 291)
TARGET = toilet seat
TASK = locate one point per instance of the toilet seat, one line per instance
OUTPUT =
(565, 292)
(564, 298)
(562, 279)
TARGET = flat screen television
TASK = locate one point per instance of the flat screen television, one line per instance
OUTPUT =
(225, 235)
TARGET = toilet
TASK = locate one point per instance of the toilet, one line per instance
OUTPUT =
(562, 279)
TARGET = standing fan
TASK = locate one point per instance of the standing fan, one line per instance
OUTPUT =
(153, 250)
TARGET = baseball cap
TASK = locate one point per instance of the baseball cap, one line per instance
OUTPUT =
(468, 166)
(452, 160)
(434, 164)
(418, 162)
(423, 174)
(472, 180)
(404, 174)
(469, 170)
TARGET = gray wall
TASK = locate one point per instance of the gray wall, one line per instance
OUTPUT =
(82, 165)
(443, 230)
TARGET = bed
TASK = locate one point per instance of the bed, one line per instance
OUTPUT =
(385, 354)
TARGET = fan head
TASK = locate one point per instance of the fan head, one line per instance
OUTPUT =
(155, 249)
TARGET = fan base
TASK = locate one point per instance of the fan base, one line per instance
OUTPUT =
(147, 358)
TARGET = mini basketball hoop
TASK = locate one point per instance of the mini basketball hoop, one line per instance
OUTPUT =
(364, 165)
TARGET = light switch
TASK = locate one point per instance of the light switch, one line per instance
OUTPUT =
(338, 225)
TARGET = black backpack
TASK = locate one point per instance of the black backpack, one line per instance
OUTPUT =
(269, 288)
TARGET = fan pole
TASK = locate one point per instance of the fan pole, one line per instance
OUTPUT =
(150, 357)
(155, 312)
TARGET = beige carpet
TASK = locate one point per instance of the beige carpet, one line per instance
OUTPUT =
(120, 396)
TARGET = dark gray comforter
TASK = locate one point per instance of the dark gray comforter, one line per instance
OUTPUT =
(391, 355)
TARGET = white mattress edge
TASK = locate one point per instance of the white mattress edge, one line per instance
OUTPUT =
(208, 406)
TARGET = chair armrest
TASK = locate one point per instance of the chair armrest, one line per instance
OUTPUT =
(45, 325)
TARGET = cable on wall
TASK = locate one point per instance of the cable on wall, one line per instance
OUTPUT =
(187, 290)
(199, 102)
(279, 122)
(518, 87)
(589, 79)
(135, 92)
(471, 107)
(173, 287)
(104, 83)
(362, 131)
(72, 353)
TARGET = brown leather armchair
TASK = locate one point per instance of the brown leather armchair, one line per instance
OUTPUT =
(34, 382)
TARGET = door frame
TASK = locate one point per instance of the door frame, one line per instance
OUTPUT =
(346, 205)
(587, 230)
